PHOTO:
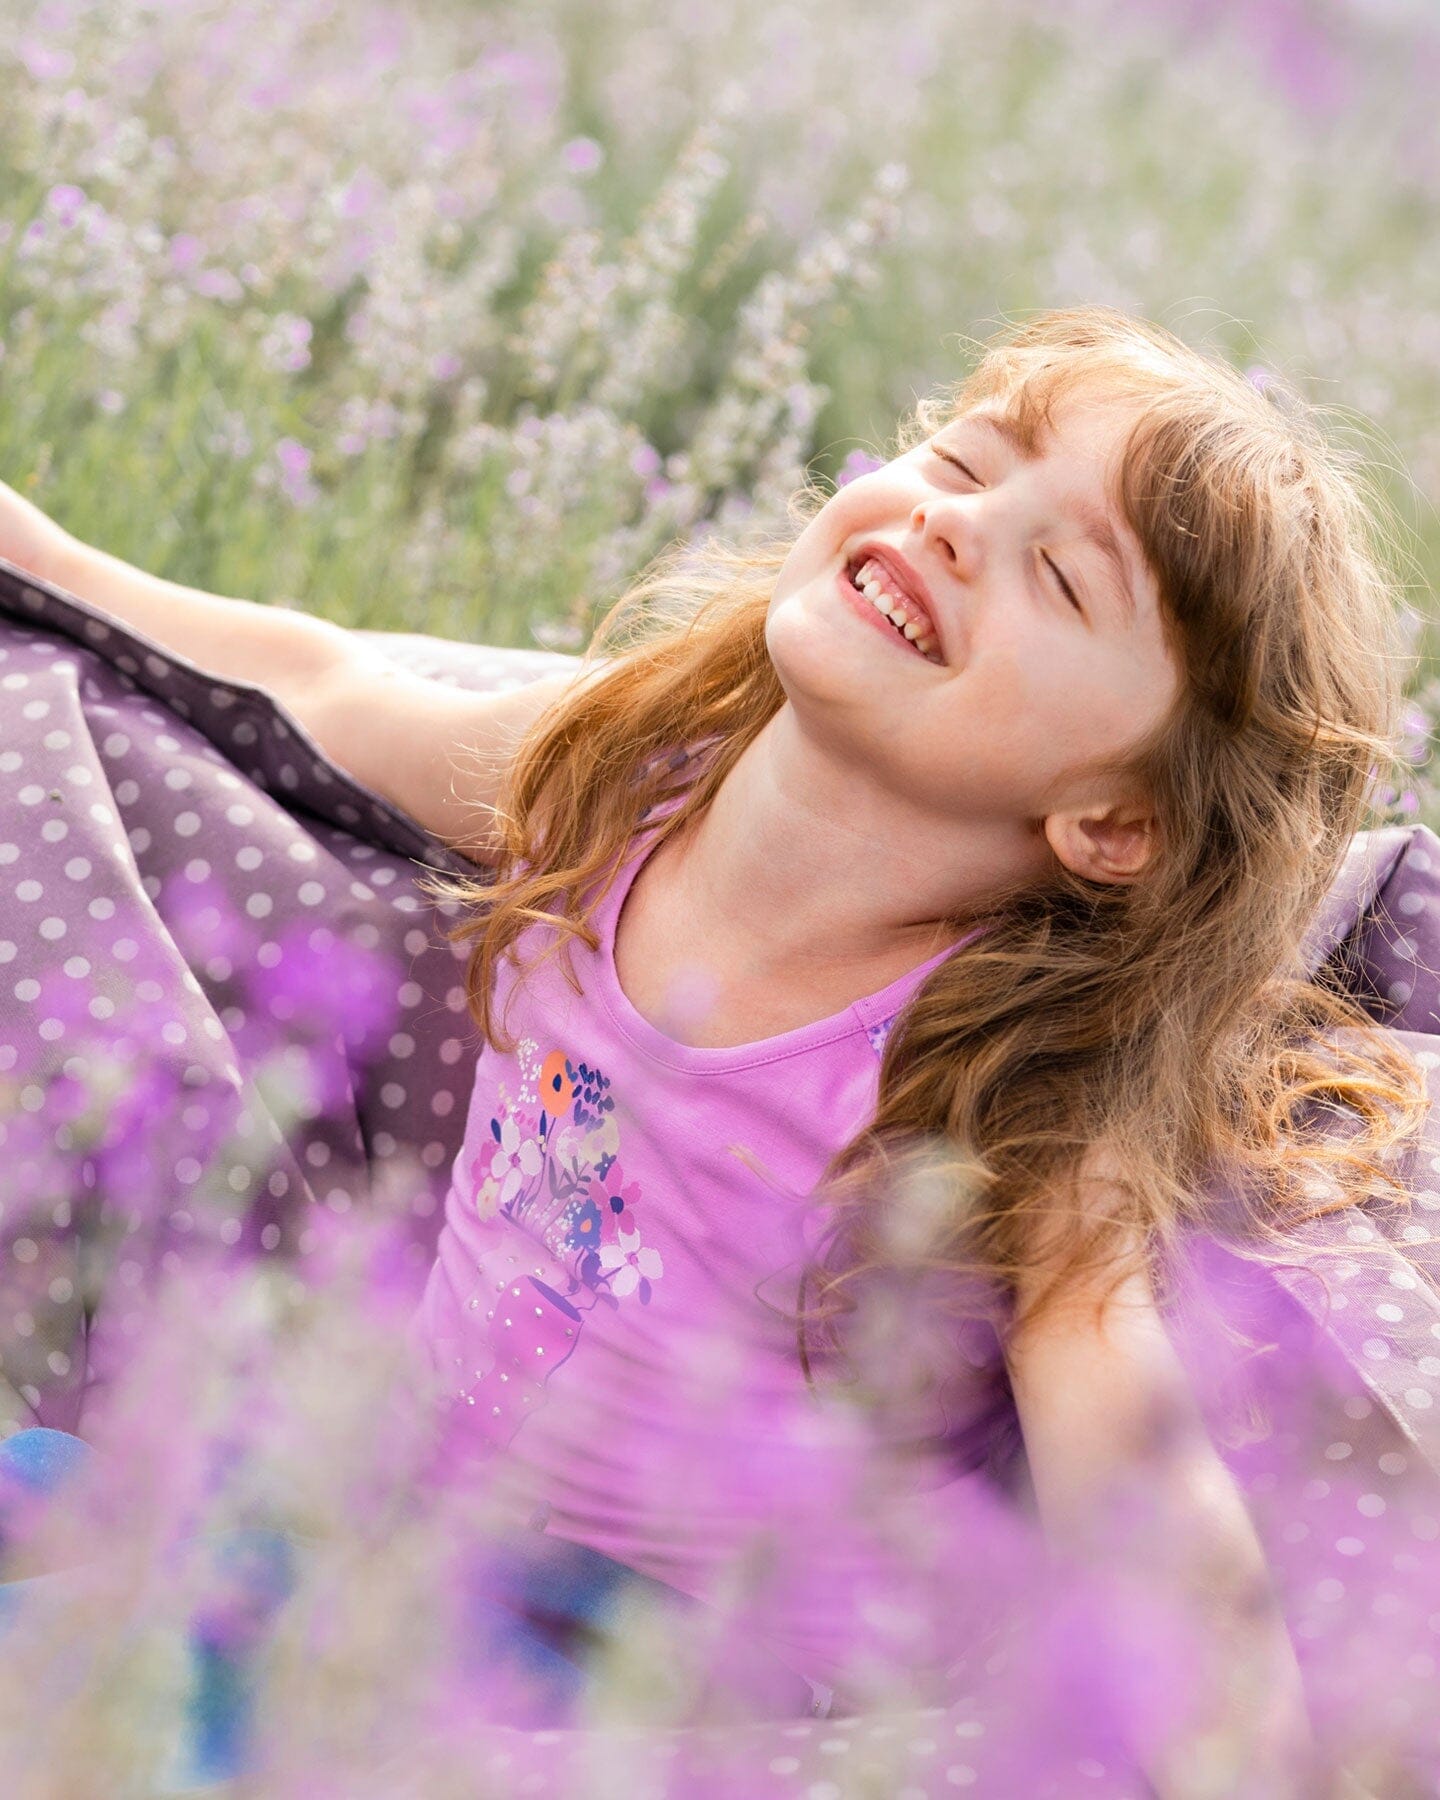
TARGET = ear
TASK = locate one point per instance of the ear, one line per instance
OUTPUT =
(1113, 843)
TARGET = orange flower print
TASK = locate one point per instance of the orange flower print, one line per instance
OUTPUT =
(557, 1090)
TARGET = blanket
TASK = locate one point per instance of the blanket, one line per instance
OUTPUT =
(213, 928)
(225, 1005)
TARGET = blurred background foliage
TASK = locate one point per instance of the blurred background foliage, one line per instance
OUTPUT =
(446, 318)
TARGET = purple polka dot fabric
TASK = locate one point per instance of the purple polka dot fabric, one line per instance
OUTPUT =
(204, 917)
(208, 923)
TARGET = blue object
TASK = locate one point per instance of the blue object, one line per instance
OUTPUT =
(254, 1571)
(539, 1608)
(41, 1459)
(34, 1462)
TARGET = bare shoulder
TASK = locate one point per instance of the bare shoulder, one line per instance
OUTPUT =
(441, 754)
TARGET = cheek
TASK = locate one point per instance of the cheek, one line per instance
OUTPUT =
(790, 577)
(1030, 699)
(793, 644)
(871, 504)
(876, 502)
(1084, 704)
(818, 542)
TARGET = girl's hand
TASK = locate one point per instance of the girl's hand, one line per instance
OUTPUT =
(32, 540)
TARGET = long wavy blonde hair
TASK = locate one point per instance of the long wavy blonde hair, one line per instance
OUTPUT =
(1163, 1031)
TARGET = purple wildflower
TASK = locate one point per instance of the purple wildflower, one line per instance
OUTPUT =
(856, 464)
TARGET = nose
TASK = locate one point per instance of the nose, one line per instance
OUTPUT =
(944, 526)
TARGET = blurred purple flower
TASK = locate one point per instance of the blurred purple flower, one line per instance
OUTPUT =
(856, 464)
(42, 63)
(218, 284)
(205, 924)
(645, 461)
(270, 93)
(360, 195)
(582, 156)
(388, 38)
(310, 992)
(530, 80)
(295, 482)
(185, 251)
(1287, 39)
(1415, 731)
(1301, 57)
(65, 201)
(447, 130)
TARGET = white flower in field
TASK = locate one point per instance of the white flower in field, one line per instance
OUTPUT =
(474, 445)
(232, 436)
(286, 345)
(363, 421)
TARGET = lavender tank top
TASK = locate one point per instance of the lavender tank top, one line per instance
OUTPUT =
(592, 1320)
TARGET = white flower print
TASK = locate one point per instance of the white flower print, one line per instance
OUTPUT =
(628, 1260)
(569, 1142)
(529, 1062)
(516, 1161)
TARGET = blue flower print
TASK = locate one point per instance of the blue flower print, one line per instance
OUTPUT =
(592, 1096)
(584, 1226)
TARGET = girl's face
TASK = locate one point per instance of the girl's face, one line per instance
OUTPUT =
(1048, 648)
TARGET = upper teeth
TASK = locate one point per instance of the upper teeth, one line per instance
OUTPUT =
(871, 580)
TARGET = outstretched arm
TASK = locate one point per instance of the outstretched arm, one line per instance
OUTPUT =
(272, 647)
(1112, 1428)
(441, 754)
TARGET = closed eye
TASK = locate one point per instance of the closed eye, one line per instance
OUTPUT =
(950, 457)
(1069, 591)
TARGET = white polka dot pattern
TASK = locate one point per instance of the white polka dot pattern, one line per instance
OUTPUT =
(206, 919)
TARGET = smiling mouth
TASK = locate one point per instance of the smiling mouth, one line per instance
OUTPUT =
(870, 582)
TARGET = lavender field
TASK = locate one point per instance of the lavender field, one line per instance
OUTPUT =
(447, 318)
(356, 307)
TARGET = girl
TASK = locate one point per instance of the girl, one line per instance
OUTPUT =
(979, 827)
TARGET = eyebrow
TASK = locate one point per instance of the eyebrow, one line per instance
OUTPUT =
(1094, 522)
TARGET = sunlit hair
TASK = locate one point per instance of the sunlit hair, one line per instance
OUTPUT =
(1159, 1034)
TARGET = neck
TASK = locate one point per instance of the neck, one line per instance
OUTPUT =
(804, 867)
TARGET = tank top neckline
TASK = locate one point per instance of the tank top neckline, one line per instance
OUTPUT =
(855, 1020)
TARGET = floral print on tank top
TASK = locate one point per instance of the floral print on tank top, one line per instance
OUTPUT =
(552, 1165)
